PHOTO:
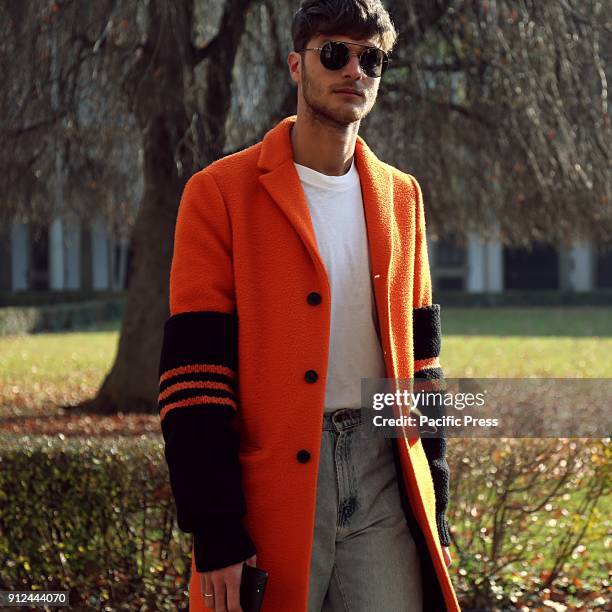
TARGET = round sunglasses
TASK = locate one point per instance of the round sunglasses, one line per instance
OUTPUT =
(336, 54)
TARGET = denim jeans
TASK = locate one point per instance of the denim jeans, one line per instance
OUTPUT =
(364, 558)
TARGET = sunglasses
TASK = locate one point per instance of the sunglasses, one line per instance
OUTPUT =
(336, 54)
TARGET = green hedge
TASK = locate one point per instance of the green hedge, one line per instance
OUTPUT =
(59, 317)
(94, 517)
(45, 298)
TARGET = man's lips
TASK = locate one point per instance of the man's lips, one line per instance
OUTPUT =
(353, 92)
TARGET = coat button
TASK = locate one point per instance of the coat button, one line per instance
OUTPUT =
(311, 376)
(314, 298)
(303, 455)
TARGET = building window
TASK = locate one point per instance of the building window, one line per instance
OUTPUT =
(531, 268)
(38, 271)
(449, 264)
(604, 267)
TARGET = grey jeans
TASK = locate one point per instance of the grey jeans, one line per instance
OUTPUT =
(364, 558)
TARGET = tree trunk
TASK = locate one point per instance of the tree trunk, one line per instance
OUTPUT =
(159, 103)
(131, 384)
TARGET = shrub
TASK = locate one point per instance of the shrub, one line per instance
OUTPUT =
(92, 516)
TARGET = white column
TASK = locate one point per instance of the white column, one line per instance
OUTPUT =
(56, 255)
(73, 252)
(431, 253)
(495, 266)
(19, 255)
(99, 255)
(475, 263)
(581, 266)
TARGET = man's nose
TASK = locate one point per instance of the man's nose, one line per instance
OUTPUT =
(353, 69)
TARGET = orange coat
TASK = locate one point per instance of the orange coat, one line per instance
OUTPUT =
(244, 269)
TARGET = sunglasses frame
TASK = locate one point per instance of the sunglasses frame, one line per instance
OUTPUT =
(383, 65)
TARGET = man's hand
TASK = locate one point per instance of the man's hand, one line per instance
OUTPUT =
(447, 555)
(221, 588)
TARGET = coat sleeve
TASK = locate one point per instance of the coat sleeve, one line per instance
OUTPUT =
(427, 336)
(198, 381)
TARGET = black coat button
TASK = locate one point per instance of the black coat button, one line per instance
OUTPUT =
(311, 376)
(303, 456)
(314, 298)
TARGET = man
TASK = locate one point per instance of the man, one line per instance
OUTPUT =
(299, 268)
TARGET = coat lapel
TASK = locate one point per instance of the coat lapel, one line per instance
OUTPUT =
(282, 182)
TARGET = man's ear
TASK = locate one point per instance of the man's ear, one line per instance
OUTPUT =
(294, 63)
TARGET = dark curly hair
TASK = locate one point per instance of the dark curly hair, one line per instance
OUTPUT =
(354, 18)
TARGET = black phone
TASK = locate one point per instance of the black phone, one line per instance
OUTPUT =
(252, 588)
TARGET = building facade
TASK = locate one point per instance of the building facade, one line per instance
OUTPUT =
(476, 264)
(73, 255)
(68, 254)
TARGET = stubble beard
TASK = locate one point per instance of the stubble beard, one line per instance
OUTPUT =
(335, 117)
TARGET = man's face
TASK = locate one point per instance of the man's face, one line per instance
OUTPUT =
(319, 88)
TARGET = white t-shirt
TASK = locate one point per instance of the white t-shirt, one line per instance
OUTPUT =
(336, 210)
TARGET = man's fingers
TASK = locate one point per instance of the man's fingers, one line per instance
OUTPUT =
(207, 587)
(207, 590)
(221, 588)
(233, 589)
(447, 556)
(220, 593)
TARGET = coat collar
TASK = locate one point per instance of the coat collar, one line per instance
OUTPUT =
(281, 180)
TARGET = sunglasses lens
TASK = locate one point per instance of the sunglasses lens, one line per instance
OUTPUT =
(372, 62)
(334, 55)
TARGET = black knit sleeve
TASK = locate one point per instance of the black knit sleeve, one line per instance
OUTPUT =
(197, 403)
(427, 345)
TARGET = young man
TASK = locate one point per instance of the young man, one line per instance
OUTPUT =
(300, 267)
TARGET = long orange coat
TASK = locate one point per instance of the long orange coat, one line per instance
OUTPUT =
(245, 247)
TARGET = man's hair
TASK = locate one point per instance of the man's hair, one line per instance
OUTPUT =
(354, 18)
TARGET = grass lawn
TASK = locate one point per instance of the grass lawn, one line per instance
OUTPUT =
(527, 342)
(42, 370)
